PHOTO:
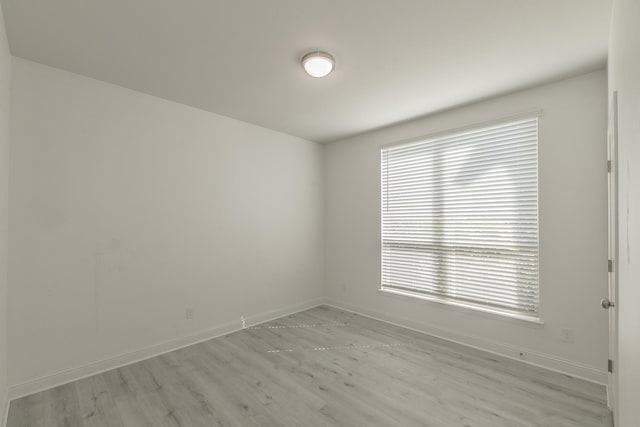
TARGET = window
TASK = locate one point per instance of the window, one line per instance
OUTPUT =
(460, 218)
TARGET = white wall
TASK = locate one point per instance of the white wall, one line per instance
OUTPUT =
(624, 77)
(127, 209)
(5, 72)
(573, 221)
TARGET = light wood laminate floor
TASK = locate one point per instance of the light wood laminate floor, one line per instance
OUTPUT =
(320, 367)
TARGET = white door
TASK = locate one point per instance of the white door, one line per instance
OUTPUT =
(612, 299)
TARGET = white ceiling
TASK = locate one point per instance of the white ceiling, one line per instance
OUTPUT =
(396, 59)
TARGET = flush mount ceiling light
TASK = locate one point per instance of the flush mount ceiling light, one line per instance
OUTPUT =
(318, 64)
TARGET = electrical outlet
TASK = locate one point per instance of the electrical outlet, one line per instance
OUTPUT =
(189, 313)
(566, 335)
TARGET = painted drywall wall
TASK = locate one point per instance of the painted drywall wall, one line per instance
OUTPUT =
(129, 209)
(624, 77)
(5, 87)
(572, 221)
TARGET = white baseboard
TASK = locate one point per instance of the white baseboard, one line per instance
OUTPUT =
(68, 375)
(542, 360)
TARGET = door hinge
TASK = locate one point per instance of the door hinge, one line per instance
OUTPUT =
(609, 166)
(610, 366)
(610, 266)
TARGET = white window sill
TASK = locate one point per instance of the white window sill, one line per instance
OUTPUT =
(470, 306)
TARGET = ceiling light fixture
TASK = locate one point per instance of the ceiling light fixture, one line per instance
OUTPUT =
(318, 64)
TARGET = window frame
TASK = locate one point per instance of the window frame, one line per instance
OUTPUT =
(535, 318)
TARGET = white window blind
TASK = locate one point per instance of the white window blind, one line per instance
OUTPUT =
(460, 217)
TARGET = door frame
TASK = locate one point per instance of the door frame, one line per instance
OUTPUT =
(612, 204)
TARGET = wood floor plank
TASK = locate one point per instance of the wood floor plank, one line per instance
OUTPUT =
(98, 409)
(323, 367)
